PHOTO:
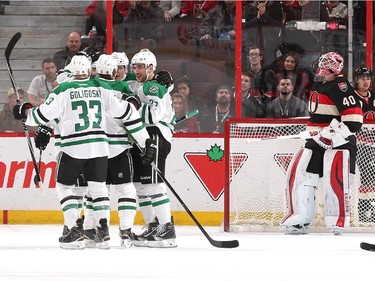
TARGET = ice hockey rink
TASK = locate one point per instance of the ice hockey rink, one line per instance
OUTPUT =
(31, 252)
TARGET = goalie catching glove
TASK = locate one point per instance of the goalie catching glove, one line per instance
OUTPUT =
(164, 78)
(134, 100)
(149, 153)
(334, 135)
(19, 110)
(42, 137)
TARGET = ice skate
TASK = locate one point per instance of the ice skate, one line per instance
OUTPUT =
(164, 237)
(127, 237)
(89, 235)
(141, 239)
(73, 240)
(296, 229)
(102, 235)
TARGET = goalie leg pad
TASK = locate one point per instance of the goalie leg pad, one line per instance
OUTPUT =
(300, 194)
(336, 182)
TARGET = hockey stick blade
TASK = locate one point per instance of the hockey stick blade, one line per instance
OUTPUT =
(13, 41)
(367, 246)
(215, 243)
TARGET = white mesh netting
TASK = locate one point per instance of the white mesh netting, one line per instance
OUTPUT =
(257, 175)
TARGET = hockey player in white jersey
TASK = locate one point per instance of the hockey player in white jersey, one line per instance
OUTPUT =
(157, 114)
(81, 106)
(122, 65)
(120, 163)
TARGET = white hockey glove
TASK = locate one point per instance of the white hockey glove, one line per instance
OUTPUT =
(341, 135)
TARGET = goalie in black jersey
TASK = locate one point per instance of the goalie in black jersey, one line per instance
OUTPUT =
(337, 115)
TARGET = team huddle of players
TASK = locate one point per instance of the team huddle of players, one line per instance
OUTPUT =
(112, 129)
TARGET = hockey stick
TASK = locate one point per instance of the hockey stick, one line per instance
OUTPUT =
(367, 246)
(12, 43)
(187, 116)
(215, 243)
(39, 165)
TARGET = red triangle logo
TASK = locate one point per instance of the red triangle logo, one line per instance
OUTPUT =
(283, 160)
(211, 173)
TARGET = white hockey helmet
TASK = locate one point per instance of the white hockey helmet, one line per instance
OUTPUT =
(121, 58)
(106, 65)
(330, 62)
(145, 57)
(80, 65)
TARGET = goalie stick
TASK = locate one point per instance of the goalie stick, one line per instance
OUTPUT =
(12, 43)
(215, 243)
(367, 246)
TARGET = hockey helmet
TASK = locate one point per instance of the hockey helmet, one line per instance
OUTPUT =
(80, 65)
(121, 58)
(145, 57)
(106, 65)
(363, 71)
(330, 62)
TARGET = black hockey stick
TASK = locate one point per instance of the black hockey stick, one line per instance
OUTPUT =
(215, 243)
(367, 246)
(12, 43)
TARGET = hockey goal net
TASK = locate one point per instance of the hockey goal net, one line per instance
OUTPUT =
(255, 176)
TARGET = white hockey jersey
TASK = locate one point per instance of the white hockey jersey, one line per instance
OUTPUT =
(80, 106)
(156, 109)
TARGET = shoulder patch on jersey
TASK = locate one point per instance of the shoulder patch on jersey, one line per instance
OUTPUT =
(154, 89)
(343, 86)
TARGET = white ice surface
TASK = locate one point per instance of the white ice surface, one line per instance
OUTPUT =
(31, 252)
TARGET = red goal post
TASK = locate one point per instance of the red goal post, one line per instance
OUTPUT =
(256, 162)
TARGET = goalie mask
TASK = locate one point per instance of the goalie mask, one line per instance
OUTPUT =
(330, 62)
(106, 65)
(144, 57)
(80, 65)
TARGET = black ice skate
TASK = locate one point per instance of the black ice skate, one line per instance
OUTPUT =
(127, 237)
(89, 235)
(141, 239)
(102, 235)
(74, 238)
(164, 237)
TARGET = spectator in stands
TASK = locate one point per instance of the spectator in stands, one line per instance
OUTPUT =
(286, 105)
(7, 121)
(252, 106)
(171, 9)
(363, 79)
(96, 16)
(144, 21)
(42, 85)
(214, 118)
(180, 107)
(184, 87)
(302, 79)
(262, 25)
(73, 45)
(220, 22)
(337, 11)
(196, 9)
(255, 61)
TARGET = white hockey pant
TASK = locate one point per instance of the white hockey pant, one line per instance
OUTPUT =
(127, 206)
(337, 182)
(300, 191)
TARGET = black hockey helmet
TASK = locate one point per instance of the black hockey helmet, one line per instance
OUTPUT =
(363, 71)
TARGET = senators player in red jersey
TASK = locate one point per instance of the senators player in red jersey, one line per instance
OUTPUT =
(336, 113)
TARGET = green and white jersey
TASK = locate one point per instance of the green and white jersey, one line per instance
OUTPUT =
(156, 109)
(80, 106)
(117, 135)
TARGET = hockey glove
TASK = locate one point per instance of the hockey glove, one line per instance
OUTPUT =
(20, 110)
(134, 100)
(42, 137)
(149, 153)
(164, 78)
